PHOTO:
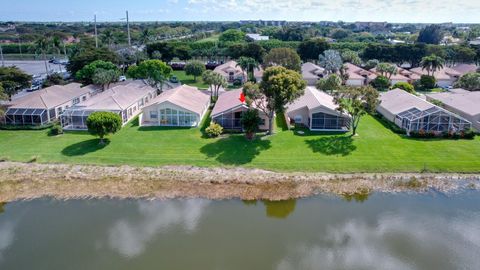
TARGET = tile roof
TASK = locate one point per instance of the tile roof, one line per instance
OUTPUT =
(311, 71)
(312, 99)
(460, 99)
(465, 68)
(52, 96)
(227, 101)
(397, 101)
(445, 73)
(187, 97)
(230, 66)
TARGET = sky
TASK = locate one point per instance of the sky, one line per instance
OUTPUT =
(402, 11)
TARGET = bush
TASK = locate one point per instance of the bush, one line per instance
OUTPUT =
(404, 86)
(56, 130)
(237, 82)
(468, 134)
(16, 127)
(427, 82)
(381, 83)
(214, 130)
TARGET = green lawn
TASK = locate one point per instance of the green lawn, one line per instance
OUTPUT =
(376, 149)
(185, 79)
(212, 38)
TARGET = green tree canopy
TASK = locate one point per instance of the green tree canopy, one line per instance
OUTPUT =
(255, 51)
(215, 82)
(404, 86)
(102, 124)
(431, 34)
(85, 54)
(195, 69)
(432, 63)
(232, 35)
(331, 61)
(469, 81)
(85, 75)
(310, 49)
(154, 72)
(105, 77)
(13, 80)
(330, 83)
(356, 102)
(250, 122)
(284, 57)
(279, 87)
(351, 57)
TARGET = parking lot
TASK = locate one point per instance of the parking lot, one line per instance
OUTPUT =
(35, 67)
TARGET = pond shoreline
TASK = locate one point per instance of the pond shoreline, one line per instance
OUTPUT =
(25, 181)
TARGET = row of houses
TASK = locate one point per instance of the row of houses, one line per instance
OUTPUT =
(186, 106)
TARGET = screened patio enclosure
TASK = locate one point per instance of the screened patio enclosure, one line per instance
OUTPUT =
(28, 117)
(229, 120)
(324, 121)
(434, 119)
(77, 119)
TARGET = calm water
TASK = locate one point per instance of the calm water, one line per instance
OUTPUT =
(383, 232)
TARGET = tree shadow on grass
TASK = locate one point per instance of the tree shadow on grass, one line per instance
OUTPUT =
(235, 149)
(85, 147)
(332, 145)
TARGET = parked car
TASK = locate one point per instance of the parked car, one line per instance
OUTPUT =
(122, 78)
(33, 88)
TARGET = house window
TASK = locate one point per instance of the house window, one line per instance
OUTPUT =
(59, 110)
(297, 118)
(153, 114)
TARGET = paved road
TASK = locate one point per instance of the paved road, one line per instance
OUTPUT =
(34, 67)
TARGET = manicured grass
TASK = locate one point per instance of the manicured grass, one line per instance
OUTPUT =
(212, 38)
(375, 149)
(184, 79)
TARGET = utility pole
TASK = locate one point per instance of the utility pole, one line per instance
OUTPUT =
(96, 34)
(128, 31)
(20, 46)
(1, 55)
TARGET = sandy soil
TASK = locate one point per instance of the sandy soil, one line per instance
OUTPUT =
(31, 180)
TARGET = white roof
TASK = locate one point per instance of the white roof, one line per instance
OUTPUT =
(230, 66)
(312, 99)
(117, 98)
(187, 97)
(397, 101)
(52, 96)
(460, 99)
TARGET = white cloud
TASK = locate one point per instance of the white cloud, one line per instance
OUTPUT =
(401, 241)
(130, 237)
(7, 234)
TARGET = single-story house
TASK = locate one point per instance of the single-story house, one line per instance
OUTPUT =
(231, 72)
(229, 109)
(445, 77)
(317, 111)
(358, 76)
(462, 102)
(412, 113)
(46, 105)
(257, 37)
(183, 106)
(311, 73)
(126, 100)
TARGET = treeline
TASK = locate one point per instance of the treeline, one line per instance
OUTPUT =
(399, 53)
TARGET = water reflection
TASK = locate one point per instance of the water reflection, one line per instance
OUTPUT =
(7, 232)
(2, 207)
(361, 195)
(130, 236)
(276, 209)
(402, 241)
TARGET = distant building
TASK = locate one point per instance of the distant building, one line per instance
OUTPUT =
(371, 26)
(265, 23)
(257, 37)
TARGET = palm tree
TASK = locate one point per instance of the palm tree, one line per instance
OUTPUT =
(42, 44)
(387, 70)
(248, 65)
(145, 36)
(331, 61)
(108, 37)
(432, 63)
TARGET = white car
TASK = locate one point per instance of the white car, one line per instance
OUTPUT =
(122, 78)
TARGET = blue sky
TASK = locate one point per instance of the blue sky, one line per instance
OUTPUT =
(467, 11)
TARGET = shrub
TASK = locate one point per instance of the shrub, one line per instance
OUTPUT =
(250, 122)
(381, 83)
(404, 86)
(214, 130)
(237, 82)
(427, 82)
(103, 123)
(56, 130)
(469, 134)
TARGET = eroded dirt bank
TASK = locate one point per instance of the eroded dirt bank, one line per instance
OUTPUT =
(31, 180)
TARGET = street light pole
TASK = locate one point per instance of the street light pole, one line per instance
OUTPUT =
(96, 34)
(1, 55)
(128, 31)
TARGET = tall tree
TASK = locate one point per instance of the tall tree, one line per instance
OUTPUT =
(310, 49)
(145, 36)
(431, 34)
(248, 65)
(285, 57)
(102, 124)
(279, 87)
(195, 69)
(215, 82)
(351, 57)
(331, 61)
(356, 102)
(254, 50)
(387, 69)
(154, 72)
(105, 77)
(232, 35)
(108, 37)
(432, 63)
(42, 44)
(85, 75)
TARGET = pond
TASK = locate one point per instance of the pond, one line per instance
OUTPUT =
(383, 231)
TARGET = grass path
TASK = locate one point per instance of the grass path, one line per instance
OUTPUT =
(376, 149)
